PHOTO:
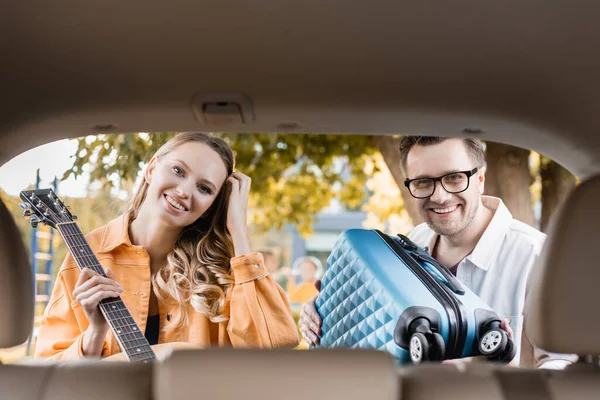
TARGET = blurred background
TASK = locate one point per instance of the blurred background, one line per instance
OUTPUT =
(306, 190)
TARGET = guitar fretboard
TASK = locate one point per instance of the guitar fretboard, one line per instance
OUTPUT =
(131, 340)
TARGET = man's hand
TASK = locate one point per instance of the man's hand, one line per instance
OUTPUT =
(310, 321)
(505, 325)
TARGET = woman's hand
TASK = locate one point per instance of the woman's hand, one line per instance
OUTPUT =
(90, 289)
(237, 212)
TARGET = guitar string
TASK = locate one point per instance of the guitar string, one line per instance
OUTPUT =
(125, 322)
(73, 234)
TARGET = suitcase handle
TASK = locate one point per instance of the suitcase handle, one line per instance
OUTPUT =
(453, 283)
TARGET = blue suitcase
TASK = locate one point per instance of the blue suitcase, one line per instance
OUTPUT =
(384, 292)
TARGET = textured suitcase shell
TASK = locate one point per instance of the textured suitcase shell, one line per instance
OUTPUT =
(367, 287)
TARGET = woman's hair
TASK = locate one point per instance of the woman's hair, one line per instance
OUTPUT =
(313, 260)
(198, 269)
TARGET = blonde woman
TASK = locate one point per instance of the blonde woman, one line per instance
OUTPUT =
(180, 258)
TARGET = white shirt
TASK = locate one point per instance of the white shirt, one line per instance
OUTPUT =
(498, 267)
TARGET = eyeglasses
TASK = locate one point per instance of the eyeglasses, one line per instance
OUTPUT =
(454, 182)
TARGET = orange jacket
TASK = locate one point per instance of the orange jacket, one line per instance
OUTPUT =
(301, 294)
(259, 315)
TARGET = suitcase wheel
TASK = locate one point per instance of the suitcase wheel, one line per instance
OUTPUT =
(426, 347)
(507, 355)
(438, 351)
(418, 348)
(493, 343)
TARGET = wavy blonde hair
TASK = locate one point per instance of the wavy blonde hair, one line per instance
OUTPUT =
(198, 269)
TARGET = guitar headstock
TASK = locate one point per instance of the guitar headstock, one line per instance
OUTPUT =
(44, 206)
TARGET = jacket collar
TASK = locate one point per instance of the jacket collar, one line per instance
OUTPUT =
(116, 233)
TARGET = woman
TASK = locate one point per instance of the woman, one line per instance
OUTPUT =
(180, 258)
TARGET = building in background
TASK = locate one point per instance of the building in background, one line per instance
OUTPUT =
(327, 228)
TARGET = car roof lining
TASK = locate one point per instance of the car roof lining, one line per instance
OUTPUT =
(523, 72)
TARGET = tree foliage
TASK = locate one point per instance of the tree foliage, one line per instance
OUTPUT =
(293, 176)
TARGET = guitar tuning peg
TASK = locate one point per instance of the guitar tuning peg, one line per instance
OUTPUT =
(74, 217)
(23, 206)
(34, 221)
(68, 208)
(26, 213)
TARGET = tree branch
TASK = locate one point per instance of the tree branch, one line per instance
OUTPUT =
(389, 147)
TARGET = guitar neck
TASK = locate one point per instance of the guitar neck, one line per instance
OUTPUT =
(131, 340)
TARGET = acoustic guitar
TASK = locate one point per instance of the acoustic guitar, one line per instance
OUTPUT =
(44, 206)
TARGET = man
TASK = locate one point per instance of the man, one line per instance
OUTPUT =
(473, 235)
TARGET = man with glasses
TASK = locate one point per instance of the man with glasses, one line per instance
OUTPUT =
(473, 235)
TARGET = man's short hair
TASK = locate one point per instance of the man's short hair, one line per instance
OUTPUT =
(474, 148)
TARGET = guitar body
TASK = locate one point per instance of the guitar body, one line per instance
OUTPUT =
(162, 351)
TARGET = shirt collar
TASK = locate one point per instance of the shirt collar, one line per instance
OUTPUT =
(489, 244)
(487, 247)
(116, 234)
(431, 238)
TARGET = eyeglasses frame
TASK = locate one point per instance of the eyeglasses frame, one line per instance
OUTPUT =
(469, 174)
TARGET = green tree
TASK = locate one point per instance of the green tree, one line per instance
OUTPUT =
(293, 176)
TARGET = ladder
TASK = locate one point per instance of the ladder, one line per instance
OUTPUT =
(41, 263)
